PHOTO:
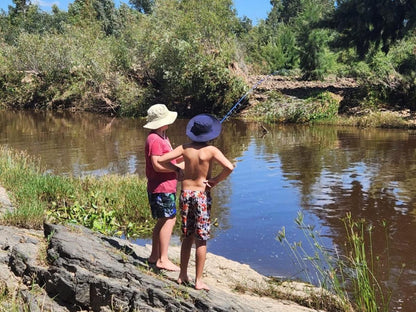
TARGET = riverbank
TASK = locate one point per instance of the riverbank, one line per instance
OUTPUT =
(280, 98)
(70, 268)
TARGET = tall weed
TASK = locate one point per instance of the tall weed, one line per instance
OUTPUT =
(350, 276)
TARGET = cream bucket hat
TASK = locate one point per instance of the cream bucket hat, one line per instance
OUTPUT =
(158, 116)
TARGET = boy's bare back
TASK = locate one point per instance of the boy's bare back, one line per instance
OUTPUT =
(199, 159)
(198, 165)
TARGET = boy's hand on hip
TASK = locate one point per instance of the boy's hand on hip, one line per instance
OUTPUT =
(209, 183)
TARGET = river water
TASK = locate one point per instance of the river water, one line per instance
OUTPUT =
(322, 172)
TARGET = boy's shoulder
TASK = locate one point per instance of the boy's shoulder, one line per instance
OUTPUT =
(197, 145)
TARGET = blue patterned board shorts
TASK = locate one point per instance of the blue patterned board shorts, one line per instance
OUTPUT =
(163, 205)
(196, 212)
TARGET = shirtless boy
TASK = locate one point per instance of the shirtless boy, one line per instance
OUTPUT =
(195, 199)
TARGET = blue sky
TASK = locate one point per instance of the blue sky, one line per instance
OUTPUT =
(253, 9)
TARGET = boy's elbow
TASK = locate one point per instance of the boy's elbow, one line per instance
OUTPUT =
(158, 168)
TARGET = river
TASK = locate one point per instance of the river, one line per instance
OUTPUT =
(323, 172)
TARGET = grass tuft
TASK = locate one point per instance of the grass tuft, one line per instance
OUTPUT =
(349, 277)
(112, 205)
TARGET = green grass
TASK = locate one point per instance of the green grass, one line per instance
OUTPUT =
(113, 204)
(376, 120)
(350, 276)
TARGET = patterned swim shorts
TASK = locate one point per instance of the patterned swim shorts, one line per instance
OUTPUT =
(196, 211)
(163, 205)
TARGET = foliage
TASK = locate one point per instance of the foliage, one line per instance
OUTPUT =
(57, 71)
(189, 64)
(143, 6)
(102, 12)
(193, 55)
(386, 79)
(29, 18)
(364, 23)
(379, 120)
(325, 106)
(368, 292)
(316, 60)
(272, 50)
(119, 61)
(288, 40)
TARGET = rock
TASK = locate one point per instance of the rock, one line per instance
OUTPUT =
(5, 203)
(71, 268)
(83, 270)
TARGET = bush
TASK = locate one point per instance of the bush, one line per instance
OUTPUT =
(283, 109)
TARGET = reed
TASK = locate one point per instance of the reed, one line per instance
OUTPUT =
(349, 276)
(113, 204)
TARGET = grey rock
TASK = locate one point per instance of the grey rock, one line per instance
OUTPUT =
(6, 205)
(88, 271)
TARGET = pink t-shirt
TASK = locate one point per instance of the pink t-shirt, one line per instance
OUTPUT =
(158, 182)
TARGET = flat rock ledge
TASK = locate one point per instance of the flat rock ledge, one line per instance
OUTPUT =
(70, 268)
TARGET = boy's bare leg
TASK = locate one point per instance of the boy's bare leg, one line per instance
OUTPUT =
(164, 239)
(200, 255)
(155, 254)
(161, 238)
(185, 255)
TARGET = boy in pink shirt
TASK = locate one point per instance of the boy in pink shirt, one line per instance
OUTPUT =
(161, 184)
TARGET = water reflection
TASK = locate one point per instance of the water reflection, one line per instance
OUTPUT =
(323, 171)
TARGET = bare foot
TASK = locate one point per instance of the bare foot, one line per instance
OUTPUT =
(151, 261)
(167, 265)
(201, 286)
(184, 281)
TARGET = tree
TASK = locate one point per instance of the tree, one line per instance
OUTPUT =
(290, 9)
(283, 11)
(187, 49)
(274, 17)
(91, 11)
(21, 6)
(363, 22)
(315, 61)
(290, 19)
(143, 6)
(29, 18)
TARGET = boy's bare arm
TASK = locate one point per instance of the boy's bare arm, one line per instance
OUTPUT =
(227, 168)
(176, 153)
(164, 161)
(159, 167)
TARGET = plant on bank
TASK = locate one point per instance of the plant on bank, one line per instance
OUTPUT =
(113, 205)
(351, 276)
(279, 108)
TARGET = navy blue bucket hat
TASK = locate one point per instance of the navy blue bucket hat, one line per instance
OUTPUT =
(203, 128)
